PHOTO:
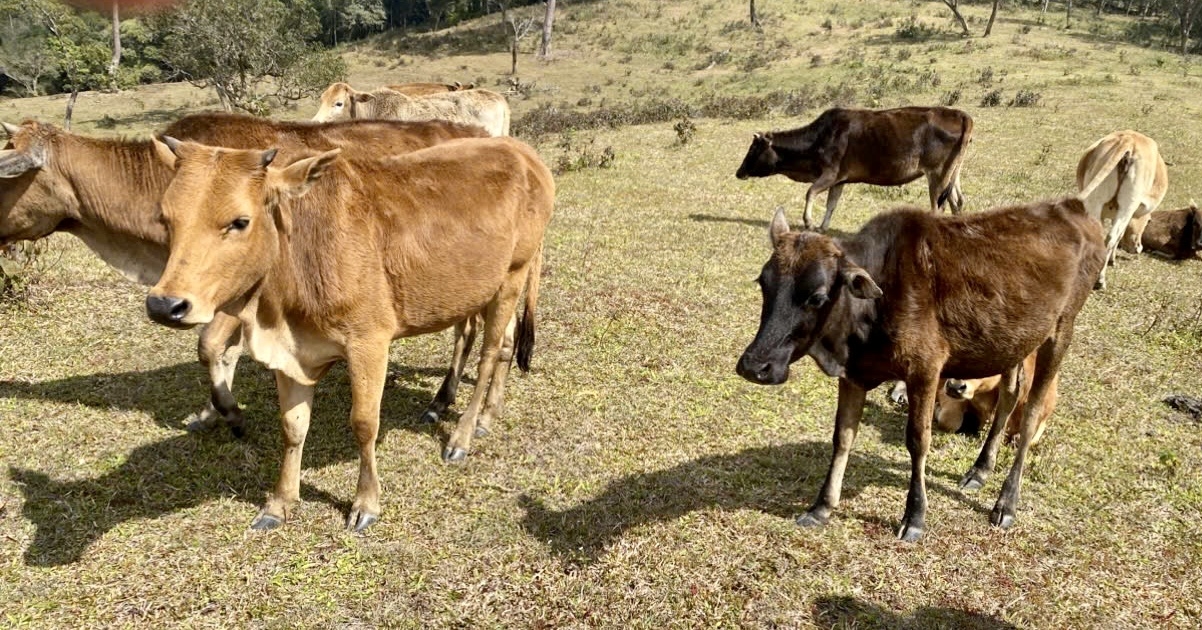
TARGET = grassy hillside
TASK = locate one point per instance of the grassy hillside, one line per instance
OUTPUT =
(636, 480)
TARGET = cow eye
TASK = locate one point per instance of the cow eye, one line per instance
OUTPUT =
(338, 104)
(816, 300)
(237, 225)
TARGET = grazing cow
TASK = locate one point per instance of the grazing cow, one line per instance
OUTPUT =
(1121, 177)
(919, 297)
(888, 147)
(107, 192)
(1173, 233)
(980, 395)
(331, 258)
(474, 107)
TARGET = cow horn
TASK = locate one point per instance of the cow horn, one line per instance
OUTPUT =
(10, 129)
(172, 144)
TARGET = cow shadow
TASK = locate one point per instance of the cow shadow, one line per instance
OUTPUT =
(188, 470)
(841, 611)
(780, 480)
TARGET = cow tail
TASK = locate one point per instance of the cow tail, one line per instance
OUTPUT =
(949, 176)
(1121, 160)
(525, 333)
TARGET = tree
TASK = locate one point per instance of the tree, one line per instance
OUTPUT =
(25, 48)
(1068, 13)
(1186, 12)
(79, 53)
(250, 51)
(992, 17)
(544, 50)
(116, 60)
(755, 18)
(518, 28)
(954, 5)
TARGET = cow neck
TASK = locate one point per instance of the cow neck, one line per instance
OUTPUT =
(117, 185)
(794, 141)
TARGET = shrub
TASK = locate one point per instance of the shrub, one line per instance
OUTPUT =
(1025, 98)
(992, 98)
(685, 130)
(912, 29)
(16, 271)
(578, 156)
(950, 98)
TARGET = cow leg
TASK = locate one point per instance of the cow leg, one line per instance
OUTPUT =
(918, 441)
(219, 348)
(367, 362)
(1046, 367)
(832, 200)
(465, 336)
(494, 405)
(847, 424)
(296, 403)
(956, 198)
(1008, 389)
(497, 315)
(820, 185)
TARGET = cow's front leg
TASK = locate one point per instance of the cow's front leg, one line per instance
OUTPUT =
(296, 404)
(918, 440)
(847, 424)
(219, 348)
(1008, 389)
(367, 362)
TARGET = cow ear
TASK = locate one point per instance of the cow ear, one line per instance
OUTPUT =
(15, 163)
(779, 226)
(296, 179)
(859, 283)
(362, 97)
(167, 150)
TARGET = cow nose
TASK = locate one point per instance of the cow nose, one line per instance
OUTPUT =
(166, 309)
(757, 371)
(956, 389)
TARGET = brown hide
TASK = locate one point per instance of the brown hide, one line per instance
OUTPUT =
(331, 258)
(887, 147)
(1173, 233)
(958, 396)
(916, 296)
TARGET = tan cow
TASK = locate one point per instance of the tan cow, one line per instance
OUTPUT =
(476, 106)
(106, 192)
(331, 258)
(958, 396)
(1121, 177)
(426, 89)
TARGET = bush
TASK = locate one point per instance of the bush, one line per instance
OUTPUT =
(16, 271)
(685, 130)
(1025, 98)
(911, 29)
(992, 98)
(950, 98)
(578, 156)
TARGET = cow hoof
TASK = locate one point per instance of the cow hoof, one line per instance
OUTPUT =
(897, 394)
(999, 518)
(429, 416)
(911, 533)
(973, 481)
(238, 431)
(482, 431)
(810, 519)
(1099, 285)
(264, 522)
(359, 521)
(455, 454)
(201, 421)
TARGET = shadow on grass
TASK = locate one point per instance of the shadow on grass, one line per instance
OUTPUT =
(188, 470)
(841, 611)
(779, 480)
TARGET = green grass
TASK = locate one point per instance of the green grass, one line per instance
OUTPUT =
(636, 480)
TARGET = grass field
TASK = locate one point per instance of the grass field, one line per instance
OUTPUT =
(636, 481)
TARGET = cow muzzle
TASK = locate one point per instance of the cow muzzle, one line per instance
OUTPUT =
(956, 388)
(168, 310)
(762, 371)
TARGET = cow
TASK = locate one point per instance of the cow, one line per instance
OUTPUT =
(331, 258)
(1121, 177)
(957, 397)
(106, 192)
(887, 147)
(426, 89)
(915, 296)
(1176, 234)
(475, 106)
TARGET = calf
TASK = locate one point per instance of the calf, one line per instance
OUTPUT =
(918, 297)
(1121, 177)
(474, 107)
(888, 147)
(329, 259)
(1173, 233)
(980, 395)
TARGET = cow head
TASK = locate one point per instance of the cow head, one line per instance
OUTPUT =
(801, 284)
(336, 103)
(226, 211)
(761, 158)
(34, 199)
(1192, 234)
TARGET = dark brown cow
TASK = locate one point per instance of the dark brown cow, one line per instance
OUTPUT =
(330, 259)
(106, 192)
(888, 147)
(1173, 233)
(916, 297)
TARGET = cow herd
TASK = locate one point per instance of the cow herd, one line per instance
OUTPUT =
(408, 210)
(967, 312)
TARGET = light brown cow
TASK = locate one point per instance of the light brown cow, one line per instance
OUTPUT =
(1121, 177)
(1173, 233)
(980, 395)
(476, 106)
(106, 192)
(331, 258)
(426, 89)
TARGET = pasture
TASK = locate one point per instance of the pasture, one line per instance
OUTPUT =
(635, 480)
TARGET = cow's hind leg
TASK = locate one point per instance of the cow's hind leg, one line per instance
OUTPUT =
(832, 200)
(219, 348)
(1008, 389)
(367, 362)
(465, 337)
(847, 424)
(494, 406)
(296, 404)
(1046, 367)
(497, 316)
